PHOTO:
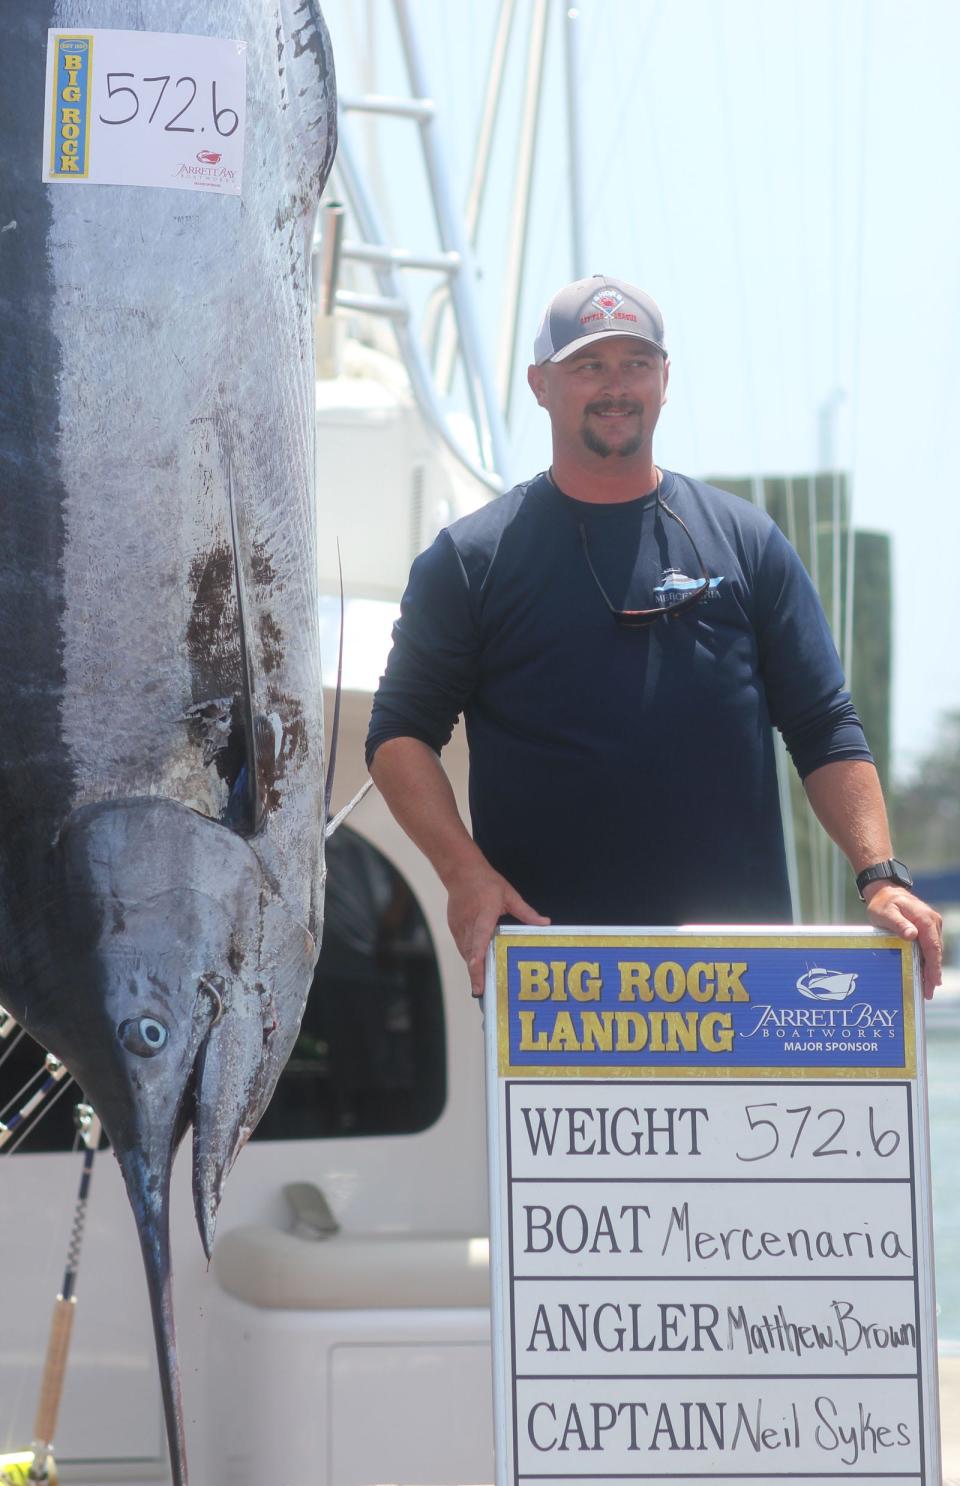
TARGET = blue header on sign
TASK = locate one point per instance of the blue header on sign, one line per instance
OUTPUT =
(601, 1005)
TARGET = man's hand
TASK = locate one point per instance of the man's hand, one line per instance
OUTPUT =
(408, 775)
(848, 802)
(895, 909)
(477, 898)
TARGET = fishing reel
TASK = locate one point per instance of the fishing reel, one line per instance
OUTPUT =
(19, 1470)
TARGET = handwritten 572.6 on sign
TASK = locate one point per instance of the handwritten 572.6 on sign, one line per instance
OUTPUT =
(145, 108)
(793, 1130)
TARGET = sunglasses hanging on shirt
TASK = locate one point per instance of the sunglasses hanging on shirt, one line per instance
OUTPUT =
(640, 618)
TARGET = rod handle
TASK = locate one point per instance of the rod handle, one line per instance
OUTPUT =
(54, 1369)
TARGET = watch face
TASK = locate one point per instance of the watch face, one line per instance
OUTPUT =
(901, 872)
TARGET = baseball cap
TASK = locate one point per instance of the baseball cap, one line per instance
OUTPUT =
(592, 308)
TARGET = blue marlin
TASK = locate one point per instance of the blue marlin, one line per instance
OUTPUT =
(161, 741)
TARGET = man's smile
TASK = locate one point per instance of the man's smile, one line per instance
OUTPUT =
(606, 410)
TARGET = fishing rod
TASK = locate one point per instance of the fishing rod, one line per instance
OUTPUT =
(37, 1466)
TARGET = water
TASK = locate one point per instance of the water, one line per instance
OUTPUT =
(943, 1072)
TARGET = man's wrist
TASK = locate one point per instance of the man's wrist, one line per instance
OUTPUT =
(462, 860)
(890, 872)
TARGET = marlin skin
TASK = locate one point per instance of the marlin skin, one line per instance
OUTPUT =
(161, 737)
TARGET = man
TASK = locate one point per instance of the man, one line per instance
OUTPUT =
(620, 639)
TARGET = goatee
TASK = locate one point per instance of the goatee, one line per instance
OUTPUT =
(596, 444)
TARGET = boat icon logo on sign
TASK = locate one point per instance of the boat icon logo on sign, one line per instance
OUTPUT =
(827, 985)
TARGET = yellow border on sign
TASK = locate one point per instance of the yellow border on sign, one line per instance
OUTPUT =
(68, 37)
(710, 941)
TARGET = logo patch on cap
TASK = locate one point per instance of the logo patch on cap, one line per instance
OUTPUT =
(607, 300)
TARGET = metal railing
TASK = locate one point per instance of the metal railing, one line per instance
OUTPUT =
(389, 264)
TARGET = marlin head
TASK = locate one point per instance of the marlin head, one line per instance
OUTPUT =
(172, 986)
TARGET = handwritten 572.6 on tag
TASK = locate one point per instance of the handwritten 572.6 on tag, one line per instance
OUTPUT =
(144, 108)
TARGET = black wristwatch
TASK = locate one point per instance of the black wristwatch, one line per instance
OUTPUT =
(889, 871)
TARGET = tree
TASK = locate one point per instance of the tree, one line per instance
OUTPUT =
(926, 807)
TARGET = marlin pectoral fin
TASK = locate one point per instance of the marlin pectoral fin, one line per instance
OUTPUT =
(254, 800)
(229, 1071)
(243, 1055)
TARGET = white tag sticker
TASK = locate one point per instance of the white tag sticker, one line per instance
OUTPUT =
(144, 108)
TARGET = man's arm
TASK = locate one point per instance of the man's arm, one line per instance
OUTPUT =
(848, 802)
(412, 780)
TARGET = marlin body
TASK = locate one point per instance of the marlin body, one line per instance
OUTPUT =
(161, 738)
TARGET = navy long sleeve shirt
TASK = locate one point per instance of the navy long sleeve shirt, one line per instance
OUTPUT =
(621, 776)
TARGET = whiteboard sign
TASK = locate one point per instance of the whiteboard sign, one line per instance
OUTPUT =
(711, 1236)
(144, 108)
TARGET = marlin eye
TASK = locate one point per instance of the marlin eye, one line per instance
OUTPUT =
(143, 1035)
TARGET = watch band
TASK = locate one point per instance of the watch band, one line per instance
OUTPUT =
(888, 871)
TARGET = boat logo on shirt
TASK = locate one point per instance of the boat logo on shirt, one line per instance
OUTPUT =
(675, 581)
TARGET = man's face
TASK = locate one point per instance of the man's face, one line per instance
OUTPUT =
(605, 398)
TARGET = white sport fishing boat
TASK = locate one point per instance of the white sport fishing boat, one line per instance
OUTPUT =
(341, 1335)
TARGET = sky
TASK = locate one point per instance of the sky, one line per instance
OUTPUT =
(781, 176)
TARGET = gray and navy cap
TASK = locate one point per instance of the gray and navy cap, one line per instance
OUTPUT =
(592, 308)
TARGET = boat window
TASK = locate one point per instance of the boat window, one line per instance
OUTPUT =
(371, 1055)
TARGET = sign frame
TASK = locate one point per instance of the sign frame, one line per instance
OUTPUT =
(543, 1073)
